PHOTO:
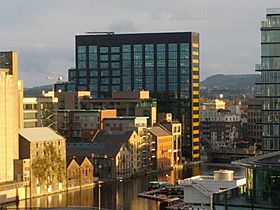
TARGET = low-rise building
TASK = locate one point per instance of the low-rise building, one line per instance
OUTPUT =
(81, 125)
(71, 100)
(40, 111)
(114, 156)
(175, 128)
(79, 172)
(220, 129)
(132, 103)
(42, 156)
(199, 190)
(138, 124)
(161, 148)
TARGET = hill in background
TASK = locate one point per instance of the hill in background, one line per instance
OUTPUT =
(234, 82)
(36, 91)
(231, 85)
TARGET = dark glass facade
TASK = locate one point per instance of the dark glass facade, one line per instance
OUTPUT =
(166, 64)
(262, 191)
(269, 86)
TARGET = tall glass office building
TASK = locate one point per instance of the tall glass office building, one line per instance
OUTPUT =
(166, 64)
(269, 86)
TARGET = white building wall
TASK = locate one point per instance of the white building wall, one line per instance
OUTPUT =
(8, 125)
(193, 196)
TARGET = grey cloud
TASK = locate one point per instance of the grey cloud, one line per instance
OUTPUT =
(43, 31)
(123, 25)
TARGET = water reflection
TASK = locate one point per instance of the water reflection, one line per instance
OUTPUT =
(118, 195)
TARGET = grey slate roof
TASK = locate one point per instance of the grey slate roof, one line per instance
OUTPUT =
(103, 144)
(39, 134)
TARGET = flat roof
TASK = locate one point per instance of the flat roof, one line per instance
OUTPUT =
(269, 161)
(125, 118)
(39, 134)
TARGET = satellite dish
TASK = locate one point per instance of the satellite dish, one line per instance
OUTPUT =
(221, 96)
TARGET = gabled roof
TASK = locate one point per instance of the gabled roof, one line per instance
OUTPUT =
(103, 144)
(159, 131)
(39, 134)
(70, 161)
(113, 138)
(270, 161)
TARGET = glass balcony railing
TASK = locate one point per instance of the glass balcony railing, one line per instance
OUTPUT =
(270, 23)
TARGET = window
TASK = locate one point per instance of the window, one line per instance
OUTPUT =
(103, 49)
(115, 49)
(126, 48)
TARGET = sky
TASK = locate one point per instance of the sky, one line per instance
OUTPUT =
(43, 31)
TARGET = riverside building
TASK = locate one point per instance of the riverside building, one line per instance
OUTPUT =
(166, 64)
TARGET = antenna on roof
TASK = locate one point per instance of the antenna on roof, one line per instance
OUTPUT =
(100, 32)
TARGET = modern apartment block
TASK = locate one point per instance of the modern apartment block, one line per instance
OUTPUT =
(166, 64)
(269, 86)
(40, 111)
(10, 111)
(81, 125)
(133, 103)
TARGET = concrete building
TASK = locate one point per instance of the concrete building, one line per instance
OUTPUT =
(45, 152)
(199, 190)
(214, 105)
(268, 89)
(166, 64)
(161, 148)
(220, 129)
(47, 110)
(129, 103)
(71, 100)
(40, 111)
(30, 112)
(10, 114)
(81, 125)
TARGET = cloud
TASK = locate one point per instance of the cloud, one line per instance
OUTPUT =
(43, 32)
(123, 25)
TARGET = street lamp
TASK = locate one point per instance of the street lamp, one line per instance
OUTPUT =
(99, 194)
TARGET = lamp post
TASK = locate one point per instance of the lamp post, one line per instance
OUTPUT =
(99, 194)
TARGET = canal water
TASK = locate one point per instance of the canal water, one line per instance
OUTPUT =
(119, 195)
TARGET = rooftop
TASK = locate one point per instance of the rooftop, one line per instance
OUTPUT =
(159, 131)
(270, 161)
(39, 134)
(103, 145)
(126, 118)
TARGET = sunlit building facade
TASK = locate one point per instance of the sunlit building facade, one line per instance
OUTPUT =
(166, 64)
(269, 86)
(10, 111)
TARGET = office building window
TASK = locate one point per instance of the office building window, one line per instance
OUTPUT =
(103, 49)
(81, 57)
(115, 49)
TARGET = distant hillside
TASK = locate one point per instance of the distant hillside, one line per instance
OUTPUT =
(36, 91)
(235, 82)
